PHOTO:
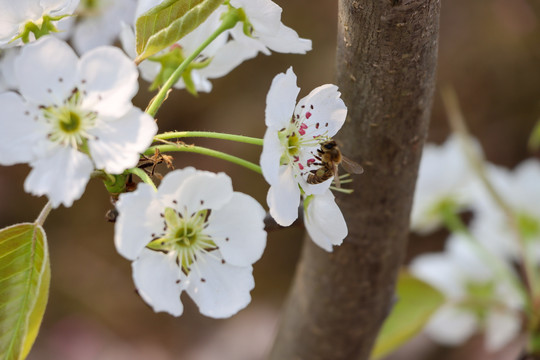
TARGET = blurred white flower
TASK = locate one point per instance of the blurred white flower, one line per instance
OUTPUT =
(73, 116)
(19, 17)
(520, 190)
(324, 221)
(477, 300)
(98, 22)
(444, 181)
(294, 134)
(195, 235)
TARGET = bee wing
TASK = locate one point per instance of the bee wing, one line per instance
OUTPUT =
(350, 166)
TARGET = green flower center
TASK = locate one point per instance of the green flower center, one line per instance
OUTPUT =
(185, 236)
(528, 226)
(69, 124)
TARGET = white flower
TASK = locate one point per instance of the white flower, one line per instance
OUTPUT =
(16, 14)
(98, 22)
(444, 180)
(477, 300)
(216, 60)
(267, 32)
(73, 116)
(520, 191)
(195, 235)
(324, 221)
(292, 139)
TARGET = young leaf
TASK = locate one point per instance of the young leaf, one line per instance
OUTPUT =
(24, 287)
(416, 302)
(168, 22)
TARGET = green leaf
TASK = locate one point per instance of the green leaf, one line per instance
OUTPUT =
(417, 301)
(24, 287)
(168, 22)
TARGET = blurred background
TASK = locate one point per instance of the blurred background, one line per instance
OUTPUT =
(489, 52)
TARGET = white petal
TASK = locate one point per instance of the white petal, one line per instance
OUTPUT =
(228, 57)
(109, 78)
(102, 29)
(204, 190)
(59, 7)
(281, 100)
(119, 142)
(127, 39)
(238, 229)
(156, 277)
(324, 221)
(172, 182)
(62, 176)
(501, 328)
(264, 15)
(440, 271)
(42, 81)
(284, 197)
(20, 132)
(285, 40)
(271, 156)
(221, 290)
(466, 258)
(138, 221)
(8, 59)
(451, 325)
(323, 110)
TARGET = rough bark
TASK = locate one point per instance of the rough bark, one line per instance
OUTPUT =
(386, 61)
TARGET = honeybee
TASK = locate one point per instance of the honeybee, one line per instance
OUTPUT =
(330, 157)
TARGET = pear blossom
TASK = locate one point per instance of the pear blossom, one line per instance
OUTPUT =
(16, 15)
(195, 234)
(98, 23)
(294, 134)
(444, 180)
(324, 221)
(264, 30)
(218, 59)
(72, 116)
(520, 191)
(477, 299)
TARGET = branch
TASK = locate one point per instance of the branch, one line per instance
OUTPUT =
(386, 61)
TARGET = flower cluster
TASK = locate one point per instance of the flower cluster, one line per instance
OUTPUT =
(260, 30)
(476, 270)
(71, 118)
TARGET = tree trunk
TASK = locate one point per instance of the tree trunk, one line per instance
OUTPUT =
(386, 61)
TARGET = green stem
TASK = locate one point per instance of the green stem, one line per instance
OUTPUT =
(204, 151)
(229, 20)
(44, 213)
(209, 134)
(459, 126)
(454, 223)
(143, 176)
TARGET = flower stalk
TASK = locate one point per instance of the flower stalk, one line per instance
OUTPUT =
(229, 20)
(205, 151)
(209, 134)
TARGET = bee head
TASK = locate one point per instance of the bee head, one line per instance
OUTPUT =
(329, 145)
